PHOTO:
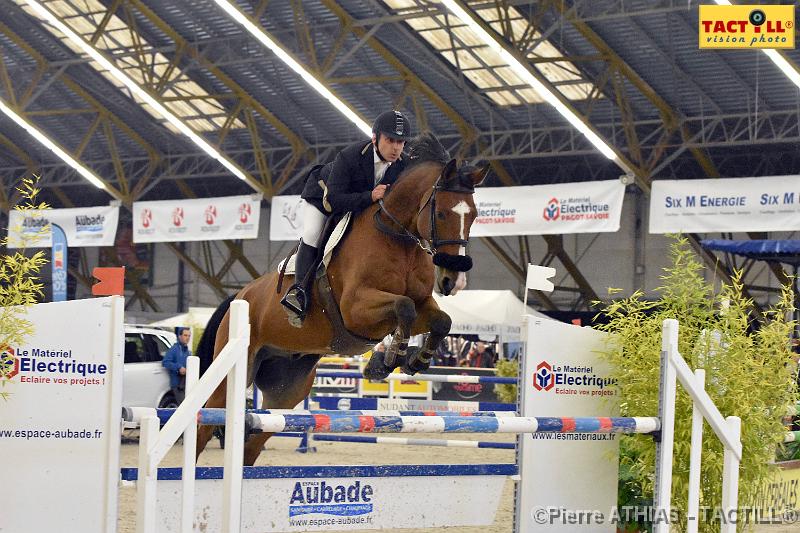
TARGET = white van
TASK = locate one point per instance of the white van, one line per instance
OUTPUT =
(146, 381)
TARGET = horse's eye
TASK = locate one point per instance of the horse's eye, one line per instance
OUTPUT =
(440, 215)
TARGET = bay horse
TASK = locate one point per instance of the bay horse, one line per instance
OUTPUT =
(381, 277)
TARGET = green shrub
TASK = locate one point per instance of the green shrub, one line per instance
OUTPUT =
(750, 373)
(506, 368)
(19, 286)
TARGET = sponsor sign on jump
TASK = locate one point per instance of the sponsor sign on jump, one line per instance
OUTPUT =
(206, 219)
(770, 203)
(60, 417)
(569, 380)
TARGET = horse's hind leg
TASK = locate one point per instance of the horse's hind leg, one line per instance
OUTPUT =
(284, 383)
(429, 318)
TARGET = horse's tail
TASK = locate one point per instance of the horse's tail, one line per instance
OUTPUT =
(205, 348)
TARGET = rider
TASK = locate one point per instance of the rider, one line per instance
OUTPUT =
(358, 177)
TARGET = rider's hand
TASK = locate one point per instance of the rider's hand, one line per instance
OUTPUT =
(378, 192)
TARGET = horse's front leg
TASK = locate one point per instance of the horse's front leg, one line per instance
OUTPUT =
(374, 307)
(429, 318)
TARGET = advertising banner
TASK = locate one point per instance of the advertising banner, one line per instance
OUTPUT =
(586, 207)
(83, 226)
(286, 218)
(770, 203)
(394, 389)
(355, 502)
(59, 264)
(474, 392)
(205, 219)
(564, 377)
(60, 420)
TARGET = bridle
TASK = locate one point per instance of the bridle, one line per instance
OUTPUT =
(407, 235)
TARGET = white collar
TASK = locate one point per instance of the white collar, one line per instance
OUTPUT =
(377, 159)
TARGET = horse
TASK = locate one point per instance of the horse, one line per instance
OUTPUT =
(381, 279)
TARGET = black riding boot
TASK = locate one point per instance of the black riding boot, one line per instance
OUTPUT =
(298, 296)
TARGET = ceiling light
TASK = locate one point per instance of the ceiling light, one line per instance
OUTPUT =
(52, 146)
(89, 50)
(292, 63)
(521, 71)
(788, 70)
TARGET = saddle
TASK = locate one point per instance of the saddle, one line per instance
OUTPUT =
(344, 341)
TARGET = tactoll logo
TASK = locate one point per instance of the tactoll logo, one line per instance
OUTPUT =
(177, 216)
(211, 214)
(553, 210)
(9, 363)
(543, 378)
(322, 497)
(746, 26)
(146, 217)
(244, 213)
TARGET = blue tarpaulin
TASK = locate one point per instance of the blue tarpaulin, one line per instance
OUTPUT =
(783, 251)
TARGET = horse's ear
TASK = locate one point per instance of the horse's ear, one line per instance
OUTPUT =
(479, 175)
(450, 171)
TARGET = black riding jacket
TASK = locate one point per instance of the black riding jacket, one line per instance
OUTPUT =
(346, 184)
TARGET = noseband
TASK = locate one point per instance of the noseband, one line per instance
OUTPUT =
(435, 241)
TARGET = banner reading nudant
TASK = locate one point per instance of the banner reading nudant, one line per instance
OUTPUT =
(771, 203)
(586, 207)
(206, 219)
(83, 226)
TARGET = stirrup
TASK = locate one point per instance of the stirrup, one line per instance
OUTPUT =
(294, 303)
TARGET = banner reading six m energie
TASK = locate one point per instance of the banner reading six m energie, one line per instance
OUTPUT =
(751, 26)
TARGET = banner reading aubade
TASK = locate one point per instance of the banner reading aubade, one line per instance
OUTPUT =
(206, 219)
(770, 203)
(746, 26)
(83, 226)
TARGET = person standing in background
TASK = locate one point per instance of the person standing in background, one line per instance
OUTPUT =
(175, 362)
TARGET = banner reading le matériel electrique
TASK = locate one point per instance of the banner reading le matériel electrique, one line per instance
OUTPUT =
(205, 219)
(83, 226)
(586, 207)
(770, 203)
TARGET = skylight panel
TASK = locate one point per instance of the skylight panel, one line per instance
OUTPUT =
(183, 96)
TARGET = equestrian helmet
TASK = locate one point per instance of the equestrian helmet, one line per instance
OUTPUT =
(393, 124)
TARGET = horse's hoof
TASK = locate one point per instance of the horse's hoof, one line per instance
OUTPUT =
(414, 362)
(376, 367)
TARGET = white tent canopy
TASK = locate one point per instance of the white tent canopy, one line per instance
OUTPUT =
(486, 313)
(195, 317)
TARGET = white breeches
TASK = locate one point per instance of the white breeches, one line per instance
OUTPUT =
(313, 222)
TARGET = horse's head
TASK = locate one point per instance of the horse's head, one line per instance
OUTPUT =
(445, 216)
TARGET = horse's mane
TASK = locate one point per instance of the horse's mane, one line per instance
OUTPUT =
(426, 148)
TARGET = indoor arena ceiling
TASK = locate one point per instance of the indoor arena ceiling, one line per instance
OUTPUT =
(631, 69)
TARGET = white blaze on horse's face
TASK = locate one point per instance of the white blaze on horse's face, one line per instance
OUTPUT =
(462, 209)
(461, 282)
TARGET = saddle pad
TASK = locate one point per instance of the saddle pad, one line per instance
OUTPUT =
(333, 241)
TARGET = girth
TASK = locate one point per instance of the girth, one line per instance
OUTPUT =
(344, 342)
